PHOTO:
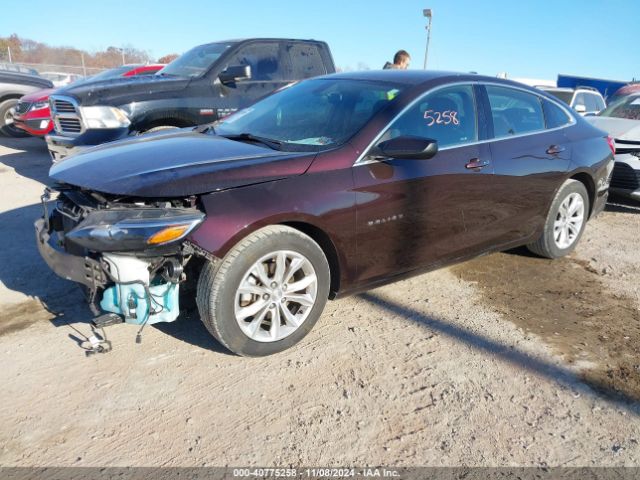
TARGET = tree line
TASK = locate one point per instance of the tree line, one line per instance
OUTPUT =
(24, 50)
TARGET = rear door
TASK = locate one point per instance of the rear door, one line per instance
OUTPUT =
(417, 213)
(530, 155)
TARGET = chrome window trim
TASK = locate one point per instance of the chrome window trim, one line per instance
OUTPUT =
(572, 120)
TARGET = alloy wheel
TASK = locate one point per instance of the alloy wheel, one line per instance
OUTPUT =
(569, 220)
(275, 296)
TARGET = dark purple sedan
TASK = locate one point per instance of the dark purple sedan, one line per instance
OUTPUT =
(326, 188)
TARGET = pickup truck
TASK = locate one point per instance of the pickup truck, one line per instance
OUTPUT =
(14, 85)
(201, 86)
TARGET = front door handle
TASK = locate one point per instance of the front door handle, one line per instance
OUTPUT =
(476, 164)
(555, 149)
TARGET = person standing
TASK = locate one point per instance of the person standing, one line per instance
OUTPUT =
(401, 61)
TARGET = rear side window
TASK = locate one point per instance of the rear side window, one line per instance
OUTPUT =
(555, 116)
(305, 61)
(263, 58)
(514, 112)
(447, 115)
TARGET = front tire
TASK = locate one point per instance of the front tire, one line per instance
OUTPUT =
(565, 221)
(7, 127)
(267, 293)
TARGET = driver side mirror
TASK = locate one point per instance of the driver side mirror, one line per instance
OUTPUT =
(235, 73)
(408, 147)
(580, 108)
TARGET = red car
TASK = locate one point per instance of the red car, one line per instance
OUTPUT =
(32, 111)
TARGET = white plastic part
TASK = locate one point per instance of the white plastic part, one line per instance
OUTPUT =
(127, 269)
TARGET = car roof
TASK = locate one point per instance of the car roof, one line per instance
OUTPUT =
(417, 77)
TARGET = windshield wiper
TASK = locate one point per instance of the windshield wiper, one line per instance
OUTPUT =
(269, 142)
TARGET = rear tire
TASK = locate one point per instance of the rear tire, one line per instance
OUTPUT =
(565, 221)
(7, 126)
(267, 293)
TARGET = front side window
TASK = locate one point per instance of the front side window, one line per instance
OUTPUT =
(514, 112)
(447, 115)
(263, 58)
(312, 115)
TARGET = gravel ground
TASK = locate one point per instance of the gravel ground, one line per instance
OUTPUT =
(497, 362)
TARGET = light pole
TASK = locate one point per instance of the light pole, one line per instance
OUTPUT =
(428, 13)
(122, 52)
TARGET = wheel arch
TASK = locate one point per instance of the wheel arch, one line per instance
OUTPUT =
(587, 180)
(168, 121)
(328, 247)
(10, 96)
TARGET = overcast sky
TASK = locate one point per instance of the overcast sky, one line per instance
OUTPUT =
(525, 39)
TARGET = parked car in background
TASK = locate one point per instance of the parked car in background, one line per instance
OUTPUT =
(204, 84)
(32, 113)
(621, 119)
(326, 188)
(16, 67)
(61, 79)
(584, 100)
(629, 89)
(12, 87)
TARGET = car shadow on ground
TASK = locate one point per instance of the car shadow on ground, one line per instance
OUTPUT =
(31, 160)
(506, 353)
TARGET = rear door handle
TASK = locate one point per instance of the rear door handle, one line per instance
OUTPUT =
(555, 149)
(476, 164)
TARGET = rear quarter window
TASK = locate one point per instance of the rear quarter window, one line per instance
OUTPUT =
(555, 116)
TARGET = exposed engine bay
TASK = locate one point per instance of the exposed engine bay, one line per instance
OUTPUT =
(128, 253)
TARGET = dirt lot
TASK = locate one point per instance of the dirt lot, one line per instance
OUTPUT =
(506, 360)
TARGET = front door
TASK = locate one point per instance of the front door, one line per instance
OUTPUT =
(414, 213)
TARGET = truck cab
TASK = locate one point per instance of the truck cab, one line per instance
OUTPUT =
(201, 86)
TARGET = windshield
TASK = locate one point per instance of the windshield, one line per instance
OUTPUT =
(312, 115)
(196, 61)
(562, 95)
(623, 107)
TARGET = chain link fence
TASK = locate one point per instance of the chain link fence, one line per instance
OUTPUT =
(38, 68)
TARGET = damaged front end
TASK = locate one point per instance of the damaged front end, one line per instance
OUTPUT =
(128, 253)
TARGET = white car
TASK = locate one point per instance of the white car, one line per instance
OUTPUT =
(584, 100)
(61, 79)
(621, 120)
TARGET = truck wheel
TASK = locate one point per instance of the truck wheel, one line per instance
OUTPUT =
(160, 128)
(266, 294)
(6, 119)
(565, 222)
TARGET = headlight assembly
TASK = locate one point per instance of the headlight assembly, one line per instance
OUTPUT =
(104, 117)
(39, 105)
(133, 230)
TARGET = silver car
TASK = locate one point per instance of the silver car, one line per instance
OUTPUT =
(621, 119)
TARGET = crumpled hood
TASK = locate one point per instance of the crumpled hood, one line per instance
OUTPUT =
(618, 128)
(176, 164)
(119, 90)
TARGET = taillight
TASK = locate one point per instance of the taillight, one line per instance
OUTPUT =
(612, 144)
